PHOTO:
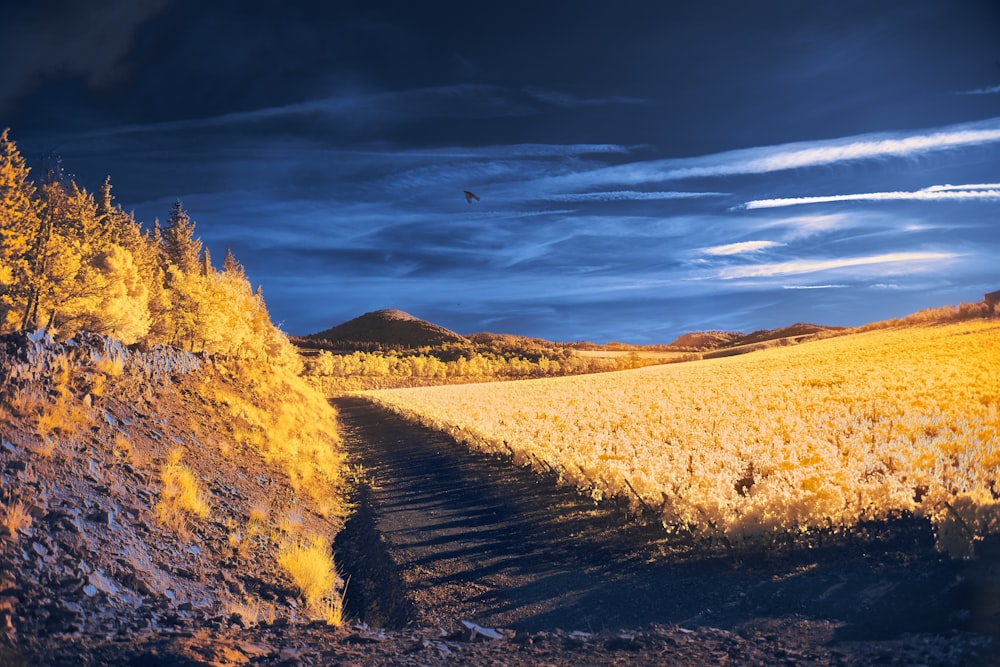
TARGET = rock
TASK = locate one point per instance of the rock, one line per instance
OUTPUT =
(474, 631)
(100, 516)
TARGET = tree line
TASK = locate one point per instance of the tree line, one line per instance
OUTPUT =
(72, 260)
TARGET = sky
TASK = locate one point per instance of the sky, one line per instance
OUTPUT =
(644, 169)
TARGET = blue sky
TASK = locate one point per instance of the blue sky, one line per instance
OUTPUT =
(644, 169)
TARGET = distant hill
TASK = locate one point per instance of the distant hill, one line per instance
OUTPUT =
(717, 340)
(706, 340)
(388, 328)
(793, 331)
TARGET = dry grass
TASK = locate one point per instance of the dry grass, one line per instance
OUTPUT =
(26, 401)
(277, 413)
(310, 565)
(182, 496)
(123, 448)
(15, 516)
(252, 610)
(65, 417)
(111, 365)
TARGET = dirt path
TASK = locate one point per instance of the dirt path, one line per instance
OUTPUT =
(456, 535)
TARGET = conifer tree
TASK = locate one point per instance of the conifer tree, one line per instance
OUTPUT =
(183, 250)
(231, 266)
(19, 222)
(105, 200)
(206, 264)
(39, 281)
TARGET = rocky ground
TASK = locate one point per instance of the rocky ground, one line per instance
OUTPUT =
(454, 559)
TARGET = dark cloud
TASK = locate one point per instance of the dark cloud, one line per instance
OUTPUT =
(53, 39)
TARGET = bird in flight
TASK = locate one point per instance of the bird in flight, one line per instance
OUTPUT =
(469, 196)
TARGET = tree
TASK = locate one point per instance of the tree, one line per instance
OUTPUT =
(230, 265)
(19, 221)
(206, 264)
(183, 250)
(54, 257)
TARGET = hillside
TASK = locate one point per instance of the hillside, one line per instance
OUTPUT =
(704, 341)
(389, 328)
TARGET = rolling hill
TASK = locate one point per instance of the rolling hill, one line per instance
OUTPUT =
(386, 328)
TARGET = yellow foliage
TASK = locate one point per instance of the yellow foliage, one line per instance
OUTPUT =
(820, 435)
(290, 424)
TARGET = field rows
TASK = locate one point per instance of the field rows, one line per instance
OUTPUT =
(745, 449)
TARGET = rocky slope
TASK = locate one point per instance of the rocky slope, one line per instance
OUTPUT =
(96, 546)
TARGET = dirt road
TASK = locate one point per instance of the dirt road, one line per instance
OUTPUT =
(447, 534)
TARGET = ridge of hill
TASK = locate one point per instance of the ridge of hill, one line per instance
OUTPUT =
(386, 328)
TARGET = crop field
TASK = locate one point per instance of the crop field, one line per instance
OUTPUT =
(753, 449)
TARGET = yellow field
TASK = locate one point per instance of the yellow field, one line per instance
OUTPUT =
(746, 449)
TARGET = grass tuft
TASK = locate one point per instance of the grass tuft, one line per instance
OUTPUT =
(310, 565)
(182, 496)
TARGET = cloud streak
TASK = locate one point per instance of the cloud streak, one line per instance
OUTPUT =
(812, 266)
(741, 247)
(630, 195)
(987, 90)
(783, 157)
(981, 192)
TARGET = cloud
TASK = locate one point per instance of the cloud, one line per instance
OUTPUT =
(986, 191)
(377, 108)
(88, 40)
(631, 195)
(570, 101)
(812, 286)
(812, 266)
(988, 90)
(741, 247)
(769, 159)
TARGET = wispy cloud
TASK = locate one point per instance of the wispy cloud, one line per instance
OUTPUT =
(987, 90)
(570, 101)
(631, 195)
(740, 248)
(985, 191)
(813, 266)
(366, 108)
(768, 159)
(812, 286)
